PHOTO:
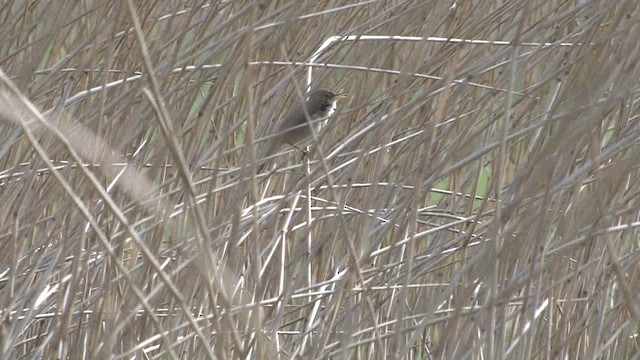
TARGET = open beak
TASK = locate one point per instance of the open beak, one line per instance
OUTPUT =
(341, 96)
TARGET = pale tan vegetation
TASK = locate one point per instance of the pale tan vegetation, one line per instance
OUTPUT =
(469, 199)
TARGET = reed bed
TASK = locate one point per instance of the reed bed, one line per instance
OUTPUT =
(476, 195)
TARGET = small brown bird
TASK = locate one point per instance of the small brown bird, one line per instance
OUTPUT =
(297, 126)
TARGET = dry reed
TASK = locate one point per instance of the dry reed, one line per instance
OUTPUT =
(470, 199)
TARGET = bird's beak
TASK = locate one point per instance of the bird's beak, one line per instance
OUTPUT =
(341, 96)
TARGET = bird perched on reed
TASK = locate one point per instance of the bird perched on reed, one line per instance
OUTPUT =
(298, 125)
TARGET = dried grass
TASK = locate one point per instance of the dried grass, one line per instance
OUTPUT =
(470, 200)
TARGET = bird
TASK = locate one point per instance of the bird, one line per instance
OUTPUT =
(301, 121)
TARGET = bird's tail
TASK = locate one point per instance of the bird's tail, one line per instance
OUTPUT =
(268, 151)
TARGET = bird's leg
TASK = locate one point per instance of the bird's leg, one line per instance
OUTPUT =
(303, 151)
